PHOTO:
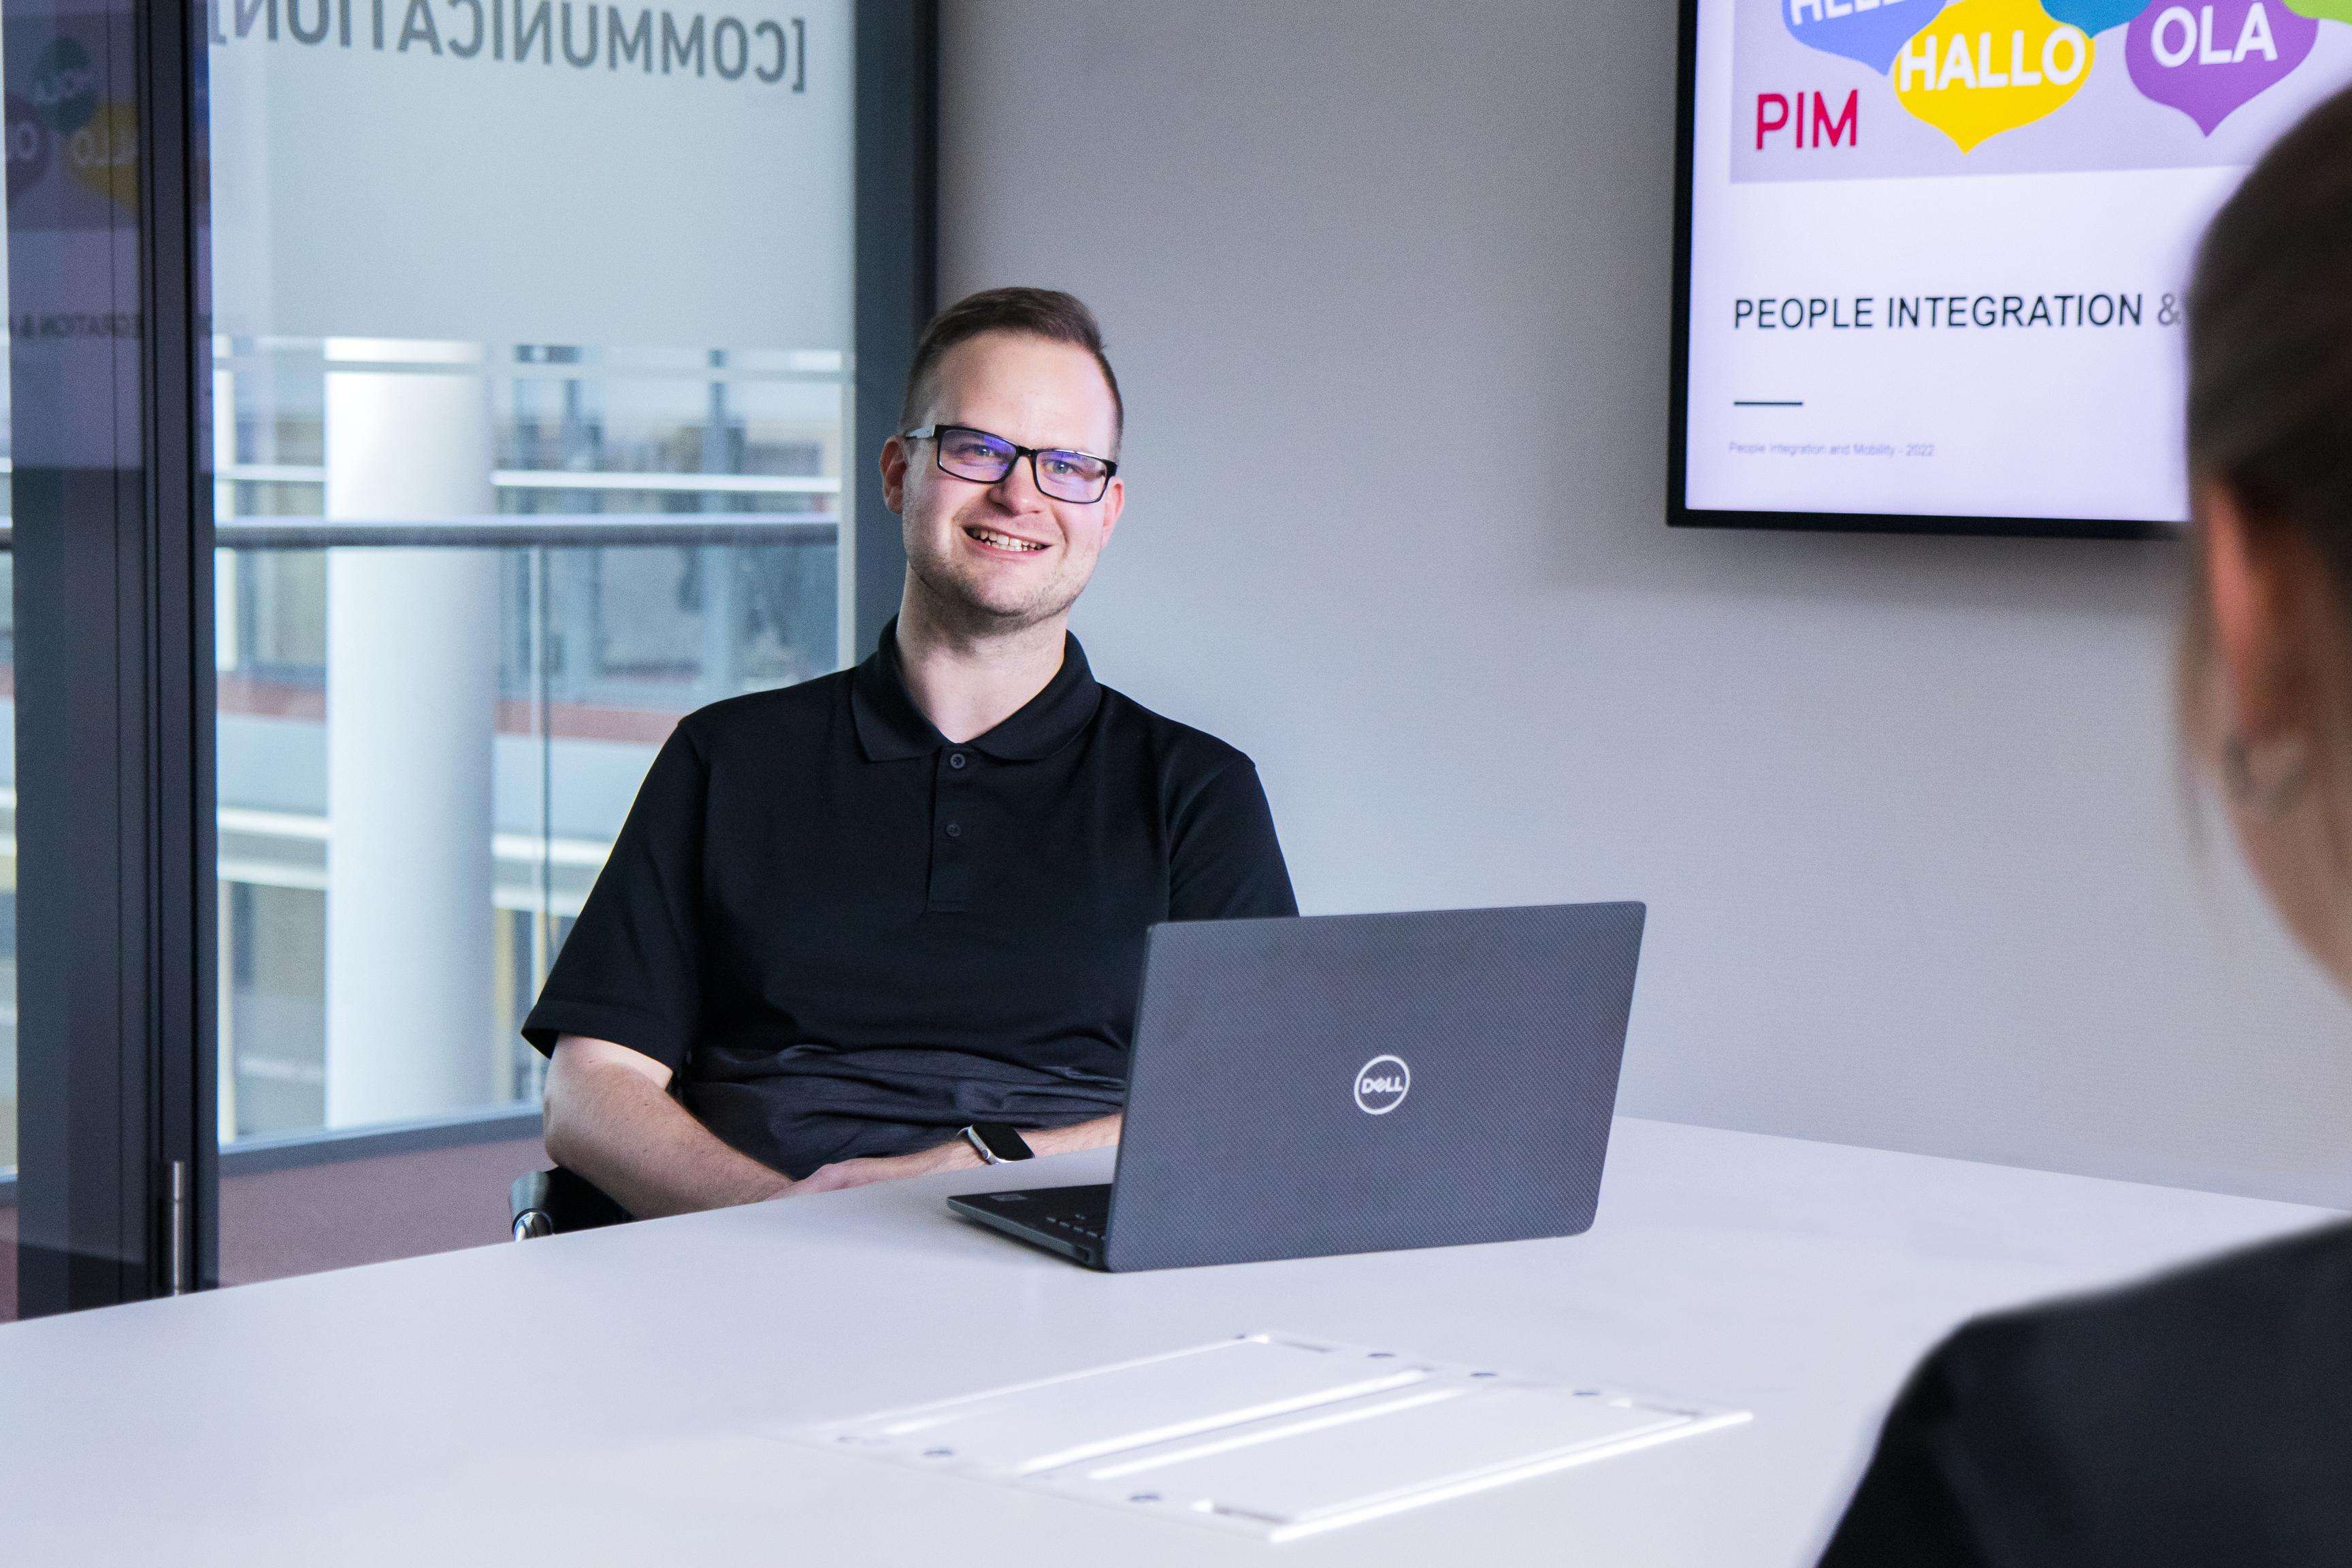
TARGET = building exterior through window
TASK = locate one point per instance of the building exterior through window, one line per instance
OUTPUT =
(532, 429)
(532, 384)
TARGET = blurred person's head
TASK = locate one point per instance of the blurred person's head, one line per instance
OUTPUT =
(996, 540)
(2266, 668)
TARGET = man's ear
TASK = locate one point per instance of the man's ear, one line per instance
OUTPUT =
(894, 475)
(2251, 588)
(1114, 501)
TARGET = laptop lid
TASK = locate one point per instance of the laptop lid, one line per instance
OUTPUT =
(1356, 1083)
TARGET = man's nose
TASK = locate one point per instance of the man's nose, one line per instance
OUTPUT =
(1017, 491)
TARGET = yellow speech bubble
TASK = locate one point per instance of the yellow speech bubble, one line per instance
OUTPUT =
(104, 154)
(1984, 66)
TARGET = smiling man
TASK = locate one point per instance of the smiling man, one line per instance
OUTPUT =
(891, 920)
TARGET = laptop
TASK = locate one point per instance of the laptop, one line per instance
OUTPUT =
(1355, 1083)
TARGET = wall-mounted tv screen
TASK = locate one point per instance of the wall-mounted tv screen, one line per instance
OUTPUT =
(1931, 255)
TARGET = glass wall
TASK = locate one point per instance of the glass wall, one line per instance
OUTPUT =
(534, 385)
(715, 478)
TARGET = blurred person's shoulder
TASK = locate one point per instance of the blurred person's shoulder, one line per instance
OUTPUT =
(2203, 1416)
(2219, 1325)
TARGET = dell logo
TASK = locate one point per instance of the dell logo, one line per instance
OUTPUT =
(1380, 1085)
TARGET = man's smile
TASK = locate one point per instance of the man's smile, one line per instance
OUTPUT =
(1005, 544)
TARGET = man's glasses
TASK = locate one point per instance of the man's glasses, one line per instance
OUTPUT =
(985, 459)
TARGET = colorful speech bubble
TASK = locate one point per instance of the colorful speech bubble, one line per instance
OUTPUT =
(1984, 66)
(104, 154)
(2096, 15)
(2209, 58)
(1871, 31)
(2322, 10)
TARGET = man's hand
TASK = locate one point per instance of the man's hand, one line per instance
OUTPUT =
(956, 1155)
(952, 1155)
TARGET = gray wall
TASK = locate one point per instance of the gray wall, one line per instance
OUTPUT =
(1388, 287)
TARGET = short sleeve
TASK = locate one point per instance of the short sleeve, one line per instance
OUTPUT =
(630, 970)
(1225, 861)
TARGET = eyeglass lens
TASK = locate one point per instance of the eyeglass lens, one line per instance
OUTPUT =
(984, 459)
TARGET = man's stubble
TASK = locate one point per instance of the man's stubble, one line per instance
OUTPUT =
(955, 605)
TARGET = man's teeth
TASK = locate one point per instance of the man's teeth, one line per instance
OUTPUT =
(1002, 541)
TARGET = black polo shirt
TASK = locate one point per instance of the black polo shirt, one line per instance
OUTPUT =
(849, 936)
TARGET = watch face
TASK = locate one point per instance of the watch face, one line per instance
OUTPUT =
(1005, 1143)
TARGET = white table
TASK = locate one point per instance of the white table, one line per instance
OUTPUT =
(591, 1399)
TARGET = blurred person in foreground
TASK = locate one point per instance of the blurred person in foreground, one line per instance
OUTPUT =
(2206, 1417)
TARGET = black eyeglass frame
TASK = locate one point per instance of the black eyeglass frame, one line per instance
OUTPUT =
(932, 433)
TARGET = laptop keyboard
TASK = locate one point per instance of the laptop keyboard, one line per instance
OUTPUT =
(1079, 1213)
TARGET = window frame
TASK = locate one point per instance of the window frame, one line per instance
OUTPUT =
(114, 697)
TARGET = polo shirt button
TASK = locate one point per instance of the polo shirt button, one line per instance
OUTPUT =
(955, 758)
(955, 830)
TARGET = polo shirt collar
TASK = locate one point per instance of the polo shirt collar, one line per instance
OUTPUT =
(890, 728)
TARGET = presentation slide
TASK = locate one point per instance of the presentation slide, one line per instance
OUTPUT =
(1939, 252)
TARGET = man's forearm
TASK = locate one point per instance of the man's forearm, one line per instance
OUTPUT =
(622, 1132)
(954, 1154)
(610, 1119)
(1095, 1134)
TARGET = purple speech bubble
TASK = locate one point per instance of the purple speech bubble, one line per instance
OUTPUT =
(1871, 31)
(30, 144)
(2094, 16)
(2208, 58)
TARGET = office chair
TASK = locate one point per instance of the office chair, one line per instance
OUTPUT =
(546, 1203)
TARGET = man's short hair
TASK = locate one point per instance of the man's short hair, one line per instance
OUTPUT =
(1046, 313)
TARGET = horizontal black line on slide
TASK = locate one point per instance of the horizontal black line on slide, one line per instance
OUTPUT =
(1766, 403)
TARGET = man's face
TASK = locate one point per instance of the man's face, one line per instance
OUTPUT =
(1005, 556)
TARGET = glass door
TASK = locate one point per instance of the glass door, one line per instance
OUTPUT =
(418, 406)
(534, 353)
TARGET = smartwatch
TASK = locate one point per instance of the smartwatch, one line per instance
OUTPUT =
(995, 1142)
